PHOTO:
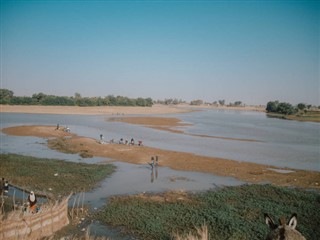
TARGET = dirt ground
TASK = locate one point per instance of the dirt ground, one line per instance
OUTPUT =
(249, 172)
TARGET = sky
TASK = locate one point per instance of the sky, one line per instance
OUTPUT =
(248, 51)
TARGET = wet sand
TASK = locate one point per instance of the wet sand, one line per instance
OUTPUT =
(249, 172)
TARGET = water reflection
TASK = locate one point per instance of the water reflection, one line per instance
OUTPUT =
(154, 167)
(154, 173)
(134, 179)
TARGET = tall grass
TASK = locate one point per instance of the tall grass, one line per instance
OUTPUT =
(201, 234)
(230, 213)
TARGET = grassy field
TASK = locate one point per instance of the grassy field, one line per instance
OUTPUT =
(49, 176)
(230, 213)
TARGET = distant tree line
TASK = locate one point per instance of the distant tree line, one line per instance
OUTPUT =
(170, 101)
(287, 108)
(7, 97)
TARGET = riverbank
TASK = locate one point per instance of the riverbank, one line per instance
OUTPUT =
(309, 116)
(245, 171)
(118, 110)
(101, 110)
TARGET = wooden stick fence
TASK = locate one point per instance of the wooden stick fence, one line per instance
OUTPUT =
(19, 225)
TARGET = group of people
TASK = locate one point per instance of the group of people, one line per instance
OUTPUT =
(121, 141)
(126, 142)
(66, 129)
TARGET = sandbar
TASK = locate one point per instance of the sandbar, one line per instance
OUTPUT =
(98, 110)
(119, 110)
(245, 171)
(170, 125)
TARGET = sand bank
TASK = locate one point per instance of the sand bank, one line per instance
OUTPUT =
(101, 110)
(114, 110)
(249, 172)
(170, 125)
(259, 108)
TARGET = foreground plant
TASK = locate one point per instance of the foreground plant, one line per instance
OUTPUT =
(50, 176)
(229, 213)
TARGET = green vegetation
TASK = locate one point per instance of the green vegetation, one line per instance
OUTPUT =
(40, 174)
(281, 107)
(287, 108)
(7, 97)
(301, 112)
(197, 102)
(309, 116)
(230, 213)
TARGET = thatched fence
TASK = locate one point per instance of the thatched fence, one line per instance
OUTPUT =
(22, 225)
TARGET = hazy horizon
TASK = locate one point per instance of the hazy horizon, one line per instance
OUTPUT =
(249, 51)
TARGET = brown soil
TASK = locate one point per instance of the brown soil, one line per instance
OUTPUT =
(249, 172)
(39, 131)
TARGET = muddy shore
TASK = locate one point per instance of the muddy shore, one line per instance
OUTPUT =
(249, 172)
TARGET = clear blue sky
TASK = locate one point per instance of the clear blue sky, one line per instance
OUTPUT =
(249, 51)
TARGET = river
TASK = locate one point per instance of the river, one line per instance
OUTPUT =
(281, 143)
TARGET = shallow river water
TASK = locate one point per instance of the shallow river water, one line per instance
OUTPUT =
(280, 143)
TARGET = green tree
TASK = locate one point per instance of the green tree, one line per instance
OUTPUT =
(222, 102)
(301, 106)
(141, 102)
(112, 100)
(196, 102)
(22, 101)
(5, 96)
(38, 97)
(237, 103)
(149, 102)
(272, 106)
(285, 108)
